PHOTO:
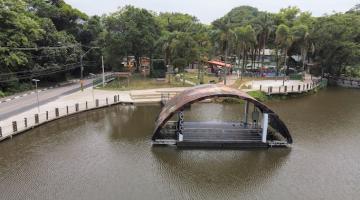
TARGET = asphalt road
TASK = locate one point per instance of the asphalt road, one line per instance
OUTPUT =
(19, 105)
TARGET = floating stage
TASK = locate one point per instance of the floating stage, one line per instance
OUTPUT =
(259, 128)
(216, 135)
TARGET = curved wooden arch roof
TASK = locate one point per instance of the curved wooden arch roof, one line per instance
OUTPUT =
(199, 93)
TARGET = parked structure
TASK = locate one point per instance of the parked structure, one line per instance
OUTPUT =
(145, 63)
(215, 66)
(259, 128)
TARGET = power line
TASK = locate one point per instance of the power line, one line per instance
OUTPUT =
(34, 71)
(47, 47)
(42, 73)
(39, 48)
(37, 75)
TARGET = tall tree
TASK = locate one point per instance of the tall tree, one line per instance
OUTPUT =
(283, 40)
(300, 35)
(265, 24)
(130, 31)
(245, 39)
(337, 39)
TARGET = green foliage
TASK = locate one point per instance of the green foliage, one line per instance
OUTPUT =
(288, 15)
(283, 36)
(18, 29)
(332, 41)
(352, 71)
(258, 95)
(183, 48)
(296, 77)
(239, 16)
(183, 39)
(62, 15)
(336, 41)
(179, 22)
(130, 31)
(180, 63)
(25, 25)
(158, 69)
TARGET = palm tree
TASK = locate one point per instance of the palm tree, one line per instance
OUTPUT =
(265, 25)
(283, 40)
(245, 40)
(163, 43)
(224, 34)
(300, 34)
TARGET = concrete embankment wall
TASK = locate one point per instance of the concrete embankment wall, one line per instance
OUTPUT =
(294, 88)
(348, 83)
(21, 125)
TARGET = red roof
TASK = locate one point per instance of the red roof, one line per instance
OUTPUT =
(219, 63)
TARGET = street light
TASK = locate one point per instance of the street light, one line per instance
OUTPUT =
(92, 91)
(37, 93)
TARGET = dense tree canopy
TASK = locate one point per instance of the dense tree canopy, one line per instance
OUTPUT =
(44, 37)
(130, 31)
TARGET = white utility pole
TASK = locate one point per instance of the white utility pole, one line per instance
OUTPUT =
(265, 126)
(37, 93)
(103, 71)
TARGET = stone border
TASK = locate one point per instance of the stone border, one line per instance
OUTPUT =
(97, 105)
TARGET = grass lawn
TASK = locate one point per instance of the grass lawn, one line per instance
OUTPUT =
(138, 82)
(193, 77)
(258, 95)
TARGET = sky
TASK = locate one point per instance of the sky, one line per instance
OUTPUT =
(209, 10)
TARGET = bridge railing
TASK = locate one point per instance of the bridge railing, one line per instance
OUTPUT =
(29, 121)
(108, 78)
(293, 88)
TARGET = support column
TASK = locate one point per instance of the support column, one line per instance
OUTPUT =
(180, 126)
(265, 126)
(246, 113)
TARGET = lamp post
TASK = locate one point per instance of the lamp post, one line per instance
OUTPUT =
(226, 50)
(92, 91)
(37, 93)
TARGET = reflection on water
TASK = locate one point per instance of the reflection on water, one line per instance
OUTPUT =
(218, 174)
(107, 154)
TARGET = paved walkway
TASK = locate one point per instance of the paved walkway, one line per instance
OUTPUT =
(88, 95)
(276, 83)
(230, 80)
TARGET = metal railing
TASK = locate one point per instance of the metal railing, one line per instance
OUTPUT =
(298, 88)
(108, 78)
(33, 120)
(166, 96)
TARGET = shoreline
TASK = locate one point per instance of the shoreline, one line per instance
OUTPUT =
(92, 99)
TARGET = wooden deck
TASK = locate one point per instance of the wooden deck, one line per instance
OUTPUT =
(213, 134)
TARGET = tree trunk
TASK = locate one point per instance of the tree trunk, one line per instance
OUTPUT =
(263, 53)
(244, 61)
(277, 61)
(252, 58)
(285, 64)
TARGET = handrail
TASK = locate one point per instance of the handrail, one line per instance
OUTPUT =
(299, 88)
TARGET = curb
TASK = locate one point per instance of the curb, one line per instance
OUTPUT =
(26, 94)
(64, 116)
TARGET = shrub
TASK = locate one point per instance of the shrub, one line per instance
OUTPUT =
(258, 95)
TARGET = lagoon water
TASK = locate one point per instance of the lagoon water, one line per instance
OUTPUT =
(107, 154)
